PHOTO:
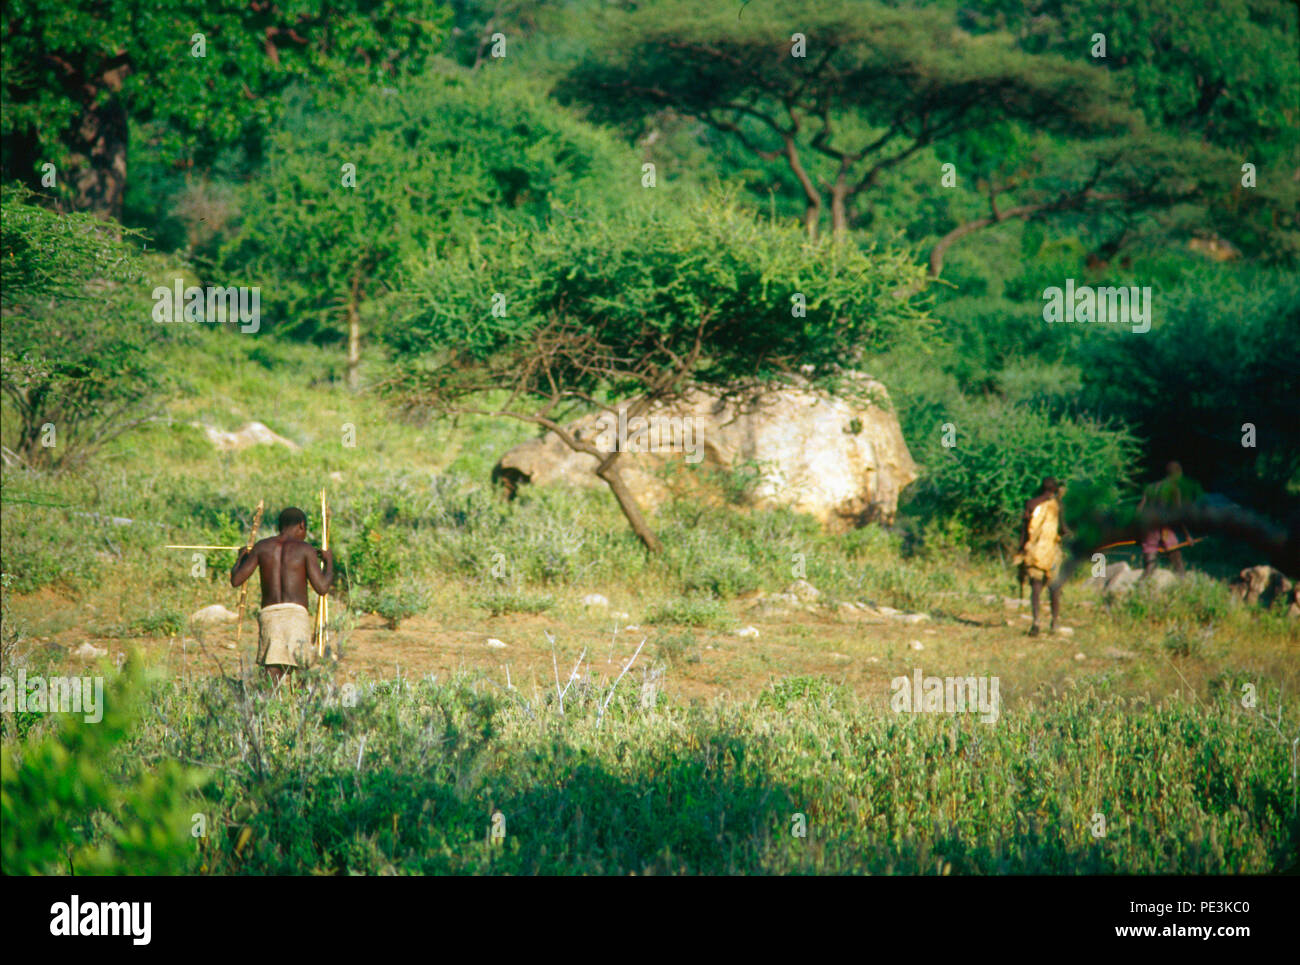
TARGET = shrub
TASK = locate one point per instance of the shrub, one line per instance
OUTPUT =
(77, 367)
(501, 601)
(67, 808)
(1001, 455)
(372, 561)
(677, 648)
(691, 612)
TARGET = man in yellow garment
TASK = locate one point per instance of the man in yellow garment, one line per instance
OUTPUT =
(1041, 529)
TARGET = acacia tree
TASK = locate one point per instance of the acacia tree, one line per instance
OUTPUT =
(1124, 186)
(873, 86)
(78, 76)
(76, 339)
(357, 187)
(642, 307)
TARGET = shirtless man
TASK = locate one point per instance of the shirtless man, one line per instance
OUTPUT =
(286, 563)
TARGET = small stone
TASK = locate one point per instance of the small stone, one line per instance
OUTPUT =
(1116, 654)
(840, 656)
(1080, 656)
(594, 599)
(620, 616)
(496, 644)
(88, 651)
(914, 617)
(1065, 631)
(632, 626)
(803, 591)
(213, 614)
(917, 645)
(747, 632)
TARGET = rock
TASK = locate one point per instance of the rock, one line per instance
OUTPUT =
(594, 599)
(840, 656)
(252, 434)
(336, 477)
(496, 644)
(913, 618)
(1014, 601)
(841, 459)
(873, 659)
(1260, 584)
(1162, 580)
(632, 626)
(88, 651)
(1080, 656)
(1116, 654)
(619, 616)
(1120, 578)
(917, 645)
(216, 613)
(747, 632)
(803, 591)
(888, 611)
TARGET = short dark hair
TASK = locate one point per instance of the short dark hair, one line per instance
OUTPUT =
(1050, 485)
(291, 517)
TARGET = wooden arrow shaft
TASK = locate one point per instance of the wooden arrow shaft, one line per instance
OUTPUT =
(323, 602)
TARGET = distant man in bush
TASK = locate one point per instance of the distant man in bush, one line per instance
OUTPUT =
(1041, 528)
(286, 563)
(1173, 492)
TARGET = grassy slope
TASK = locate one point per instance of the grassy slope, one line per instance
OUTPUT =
(424, 489)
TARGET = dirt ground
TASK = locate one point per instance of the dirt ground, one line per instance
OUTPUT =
(863, 654)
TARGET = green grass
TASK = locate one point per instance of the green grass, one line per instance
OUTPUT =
(1195, 783)
(406, 778)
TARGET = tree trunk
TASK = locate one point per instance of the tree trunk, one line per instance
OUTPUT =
(354, 332)
(99, 150)
(609, 471)
(839, 208)
(812, 197)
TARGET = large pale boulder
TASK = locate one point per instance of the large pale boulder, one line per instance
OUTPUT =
(840, 459)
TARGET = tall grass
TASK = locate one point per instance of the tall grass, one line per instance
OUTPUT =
(412, 776)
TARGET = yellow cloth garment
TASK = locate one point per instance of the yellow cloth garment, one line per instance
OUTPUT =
(1041, 554)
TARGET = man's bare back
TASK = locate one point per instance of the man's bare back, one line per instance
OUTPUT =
(286, 563)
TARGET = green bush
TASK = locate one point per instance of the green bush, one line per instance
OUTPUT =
(502, 600)
(394, 605)
(1001, 454)
(677, 648)
(698, 611)
(71, 804)
(372, 557)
